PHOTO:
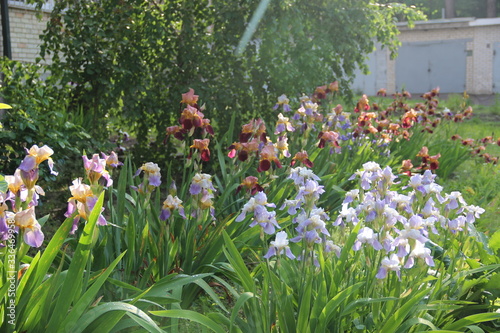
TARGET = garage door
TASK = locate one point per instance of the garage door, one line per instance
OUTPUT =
(422, 66)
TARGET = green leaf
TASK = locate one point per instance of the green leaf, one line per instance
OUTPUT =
(405, 327)
(101, 310)
(192, 316)
(471, 320)
(333, 306)
(172, 282)
(45, 262)
(474, 329)
(210, 292)
(73, 282)
(89, 296)
(4, 186)
(124, 285)
(400, 315)
(238, 264)
(305, 306)
(351, 307)
(494, 242)
(242, 299)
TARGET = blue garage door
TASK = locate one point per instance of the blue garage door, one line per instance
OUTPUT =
(422, 66)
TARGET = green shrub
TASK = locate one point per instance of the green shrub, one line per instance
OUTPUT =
(39, 116)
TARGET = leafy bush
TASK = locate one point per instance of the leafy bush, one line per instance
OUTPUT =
(39, 115)
(129, 63)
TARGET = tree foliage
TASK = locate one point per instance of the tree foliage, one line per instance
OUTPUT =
(130, 60)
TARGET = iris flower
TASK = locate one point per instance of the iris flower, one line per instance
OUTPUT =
(36, 156)
(301, 175)
(201, 181)
(363, 104)
(82, 201)
(3, 212)
(283, 101)
(191, 117)
(329, 137)
(202, 147)
(151, 172)
(83, 210)
(302, 157)
(15, 182)
(169, 205)
(203, 191)
(29, 165)
(268, 155)
(367, 236)
(27, 222)
(96, 169)
(282, 146)
(283, 125)
(243, 149)
(177, 131)
(256, 129)
(331, 247)
(279, 245)
(190, 98)
(266, 219)
(111, 159)
(251, 185)
(419, 251)
(80, 191)
(389, 264)
(255, 203)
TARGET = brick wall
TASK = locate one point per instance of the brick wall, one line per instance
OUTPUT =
(25, 29)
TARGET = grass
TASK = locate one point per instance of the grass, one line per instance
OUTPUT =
(479, 181)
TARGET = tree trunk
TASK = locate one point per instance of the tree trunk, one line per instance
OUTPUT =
(491, 8)
(449, 8)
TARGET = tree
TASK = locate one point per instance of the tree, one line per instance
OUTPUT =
(491, 8)
(449, 8)
(131, 60)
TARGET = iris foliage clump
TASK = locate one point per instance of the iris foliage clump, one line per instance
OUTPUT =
(331, 219)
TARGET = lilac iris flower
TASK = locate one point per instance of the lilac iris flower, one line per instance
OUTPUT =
(279, 245)
(389, 264)
(419, 251)
(367, 236)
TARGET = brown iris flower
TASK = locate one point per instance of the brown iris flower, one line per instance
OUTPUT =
(202, 147)
(302, 157)
(251, 185)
